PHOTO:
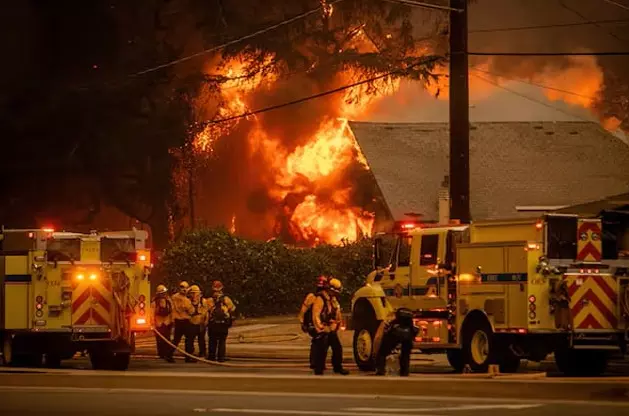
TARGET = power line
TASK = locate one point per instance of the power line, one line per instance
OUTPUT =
(319, 95)
(579, 14)
(232, 42)
(615, 3)
(550, 26)
(546, 87)
(530, 98)
(424, 5)
(611, 53)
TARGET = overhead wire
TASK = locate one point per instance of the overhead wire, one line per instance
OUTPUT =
(585, 18)
(608, 53)
(234, 41)
(615, 3)
(498, 85)
(318, 95)
(549, 26)
(535, 84)
(425, 5)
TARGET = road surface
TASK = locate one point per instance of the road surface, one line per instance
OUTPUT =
(55, 401)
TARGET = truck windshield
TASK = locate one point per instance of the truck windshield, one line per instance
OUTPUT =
(117, 249)
(66, 249)
(562, 237)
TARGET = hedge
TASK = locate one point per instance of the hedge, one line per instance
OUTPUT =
(264, 278)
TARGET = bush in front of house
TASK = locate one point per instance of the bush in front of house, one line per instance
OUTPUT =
(265, 278)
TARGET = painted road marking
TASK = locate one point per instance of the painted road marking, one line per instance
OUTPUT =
(302, 412)
(448, 409)
(206, 393)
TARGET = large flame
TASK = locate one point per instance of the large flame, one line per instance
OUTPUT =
(313, 171)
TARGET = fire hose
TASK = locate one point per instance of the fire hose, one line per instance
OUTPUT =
(203, 360)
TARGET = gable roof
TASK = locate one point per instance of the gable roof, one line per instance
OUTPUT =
(511, 164)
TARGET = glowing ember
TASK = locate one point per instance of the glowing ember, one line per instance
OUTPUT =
(232, 229)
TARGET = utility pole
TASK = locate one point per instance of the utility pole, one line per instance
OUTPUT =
(459, 115)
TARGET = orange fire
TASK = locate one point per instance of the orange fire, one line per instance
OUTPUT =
(316, 165)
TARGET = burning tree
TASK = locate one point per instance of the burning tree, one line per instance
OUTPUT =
(297, 172)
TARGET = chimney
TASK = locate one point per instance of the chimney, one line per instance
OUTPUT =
(444, 201)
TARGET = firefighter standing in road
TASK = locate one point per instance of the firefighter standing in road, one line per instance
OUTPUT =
(334, 287)
(221, 312)
(198, 321)
(182, 311)
(163, 322)
(390, 334)
(326, 316)
(305, 314)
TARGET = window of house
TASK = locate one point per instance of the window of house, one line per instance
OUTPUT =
(429, 250)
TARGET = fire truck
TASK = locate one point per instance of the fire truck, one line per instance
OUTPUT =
(63, 293)
(496, 292)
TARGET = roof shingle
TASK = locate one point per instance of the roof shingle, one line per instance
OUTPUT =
(511, 164)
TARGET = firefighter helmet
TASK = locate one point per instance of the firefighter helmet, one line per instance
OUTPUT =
(161, 289)
(217, 286)
(194, 289)
(335, 285)
(183, 286)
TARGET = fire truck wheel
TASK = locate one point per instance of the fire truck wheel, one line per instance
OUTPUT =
(581, 363)
(363, 345)
(478, 345)
(455, 359)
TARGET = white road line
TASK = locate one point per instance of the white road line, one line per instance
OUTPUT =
(302, 412)
(422, 399)
(449, 409)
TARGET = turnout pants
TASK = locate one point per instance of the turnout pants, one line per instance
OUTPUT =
(163, 349)
(217, 336)
(182, 329)
(320, 344)
(389, 342)
(197, 332)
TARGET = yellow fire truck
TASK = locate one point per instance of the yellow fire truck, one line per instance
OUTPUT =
(497, 292)
(63, 293)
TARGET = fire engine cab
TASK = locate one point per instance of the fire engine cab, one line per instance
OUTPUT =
(495, 292)
(63, 293)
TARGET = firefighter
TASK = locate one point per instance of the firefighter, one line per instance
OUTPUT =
(305, 314)
(198, 321)
(163, 322)
(334, 341)
(220, 319)
(182, 311)
(393, 332)
(326, 317)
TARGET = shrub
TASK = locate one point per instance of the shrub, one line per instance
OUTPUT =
(265, 278)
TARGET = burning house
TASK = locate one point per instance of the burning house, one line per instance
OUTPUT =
(517, 167)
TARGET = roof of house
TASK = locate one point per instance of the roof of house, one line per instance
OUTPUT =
(618, 203)
(511, 164)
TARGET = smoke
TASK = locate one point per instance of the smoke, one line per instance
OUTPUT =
(596, 88)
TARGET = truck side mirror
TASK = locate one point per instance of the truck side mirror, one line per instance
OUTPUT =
(377, 253)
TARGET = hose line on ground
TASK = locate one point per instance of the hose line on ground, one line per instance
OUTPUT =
(203, 360)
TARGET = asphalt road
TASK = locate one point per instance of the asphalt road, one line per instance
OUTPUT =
(103, 402)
